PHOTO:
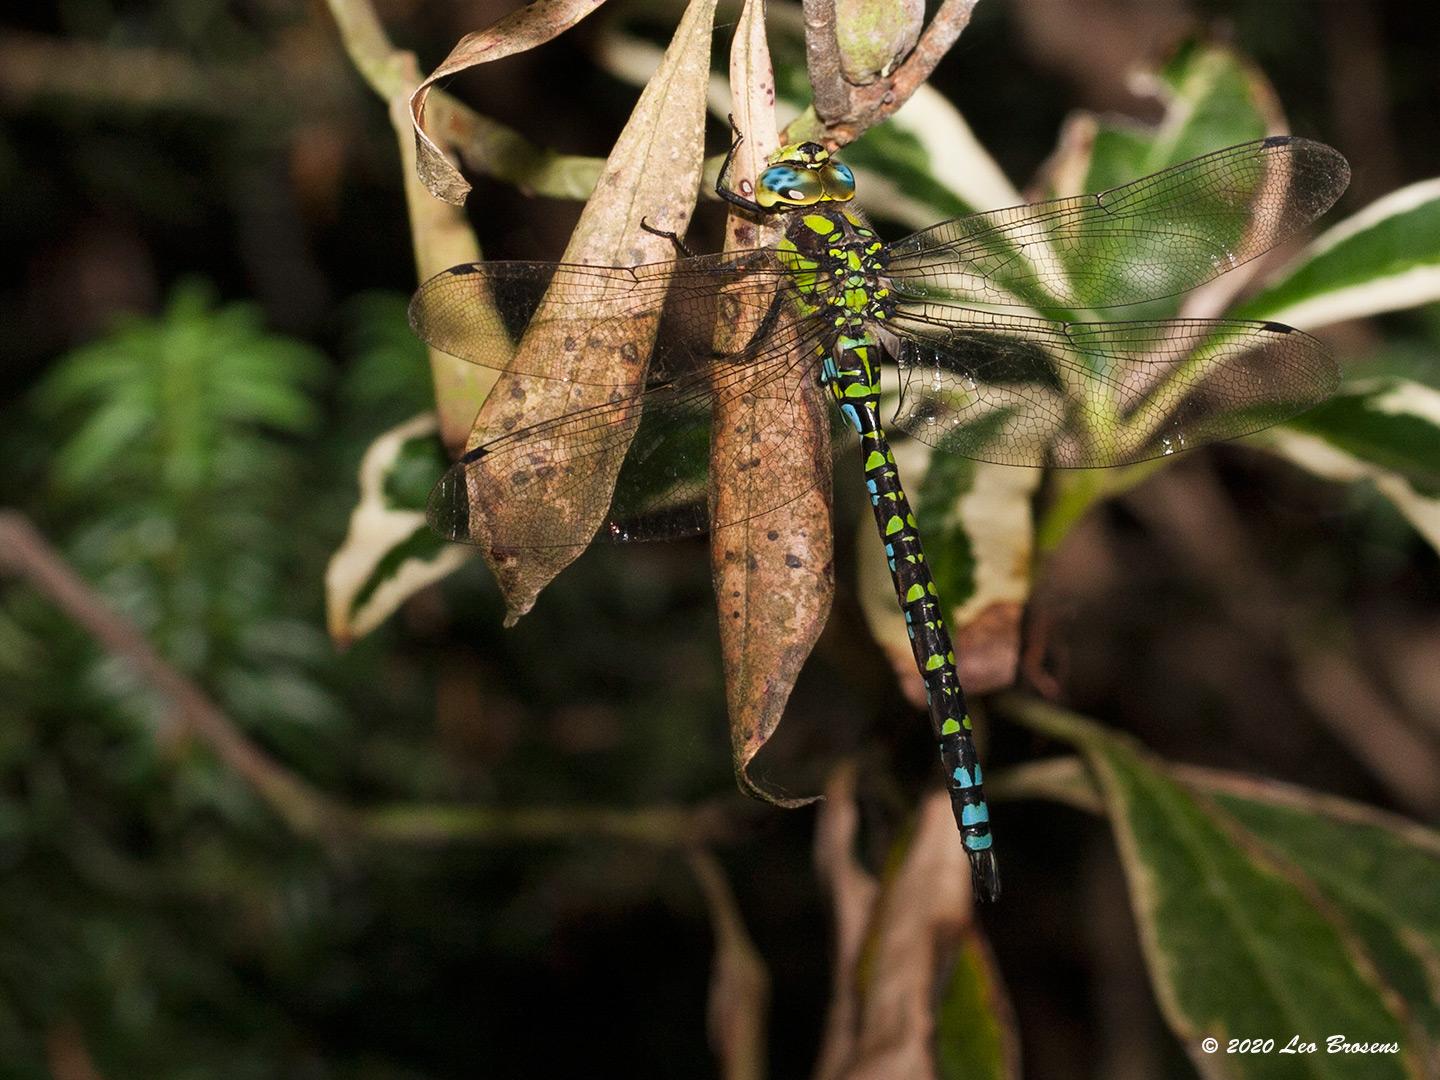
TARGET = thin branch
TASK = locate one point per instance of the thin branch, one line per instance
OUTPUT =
(369, 48)
(36, 66)
(822, 61)
(492, 149)
(841, 113)
(442, 236)
(26, 554)
(944, 30)
(664, 827)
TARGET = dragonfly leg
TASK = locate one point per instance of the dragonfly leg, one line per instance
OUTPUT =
(722, 182)
(674, 238)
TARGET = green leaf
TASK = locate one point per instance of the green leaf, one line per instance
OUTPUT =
(1240, 942)
(389, 552)
(415, 469)
(1385, 431)
(1393, 423)
(1212, 97)
(1379, 871)
(1384, 258)
(972, 1041)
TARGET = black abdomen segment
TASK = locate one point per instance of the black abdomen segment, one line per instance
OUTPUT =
(851, 372)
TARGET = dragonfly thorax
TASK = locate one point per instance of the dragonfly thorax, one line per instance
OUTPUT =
(838, 264)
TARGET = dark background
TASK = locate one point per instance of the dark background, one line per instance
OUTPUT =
(158, 920)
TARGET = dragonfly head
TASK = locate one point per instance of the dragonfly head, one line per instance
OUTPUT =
(803, 174)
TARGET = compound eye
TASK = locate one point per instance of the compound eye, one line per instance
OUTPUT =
(789, 186)
(838, 181)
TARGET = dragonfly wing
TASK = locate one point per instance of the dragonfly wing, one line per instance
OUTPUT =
(546, 320)
(1029, 391)
(544, 485)
(1155, 237)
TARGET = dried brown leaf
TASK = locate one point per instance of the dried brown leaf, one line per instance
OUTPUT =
(442, 237)
(532, 25)
(853, 891)
(915, 988)
(739, 983)
(924, 912)
(653, 172)
(774, 573)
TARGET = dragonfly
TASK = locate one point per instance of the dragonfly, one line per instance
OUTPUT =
(988, 322)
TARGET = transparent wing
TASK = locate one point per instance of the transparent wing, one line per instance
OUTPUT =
(481, 312)
(546, 483)
(1027, 391)
(1151, 238)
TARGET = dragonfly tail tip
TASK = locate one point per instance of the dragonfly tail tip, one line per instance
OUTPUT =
(985, 875)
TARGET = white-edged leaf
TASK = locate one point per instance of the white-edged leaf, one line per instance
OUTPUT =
(389, 552)
(1213, 97)
(1240, 941)
(1386, 431)
(1384, 258)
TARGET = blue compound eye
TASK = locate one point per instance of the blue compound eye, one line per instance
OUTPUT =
(784, 184)
(838, 181)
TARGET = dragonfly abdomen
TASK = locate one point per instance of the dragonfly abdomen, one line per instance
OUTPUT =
(851, 372)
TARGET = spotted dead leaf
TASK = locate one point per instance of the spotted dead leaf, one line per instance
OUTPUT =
(653, 172)
(774, 572)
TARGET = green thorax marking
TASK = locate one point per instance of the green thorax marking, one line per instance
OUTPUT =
(838, 263)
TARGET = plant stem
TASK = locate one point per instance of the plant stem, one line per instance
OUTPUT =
(25, 553)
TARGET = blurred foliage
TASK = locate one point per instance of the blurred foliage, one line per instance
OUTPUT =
(198, 469)
(197, 466)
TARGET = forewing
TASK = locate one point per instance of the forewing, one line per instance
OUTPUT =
(1151, 238)
(481, 312)
(544, 485)
(1028, 391)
